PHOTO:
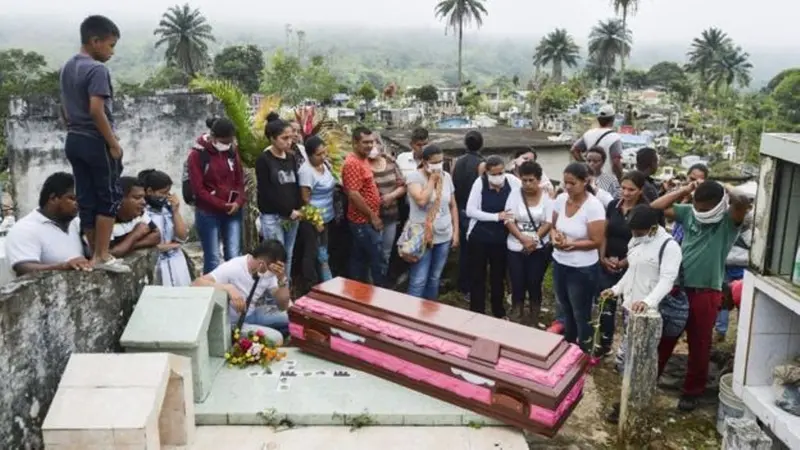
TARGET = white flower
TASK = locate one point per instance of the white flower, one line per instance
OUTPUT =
(256, 349)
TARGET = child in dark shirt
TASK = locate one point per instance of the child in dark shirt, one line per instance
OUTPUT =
(91, 146)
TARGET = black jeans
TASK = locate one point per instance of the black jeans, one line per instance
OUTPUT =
(527, 273)
(609, 315)
(481, 254)
(96, 177)
(464, 270)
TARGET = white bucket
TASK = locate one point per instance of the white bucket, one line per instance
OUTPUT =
(729, 404)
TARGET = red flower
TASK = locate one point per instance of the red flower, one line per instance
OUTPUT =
(245, 344)
(260, 333)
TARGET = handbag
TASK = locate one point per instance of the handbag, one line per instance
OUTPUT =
(674, 307)
(416, 238)
(243, 315)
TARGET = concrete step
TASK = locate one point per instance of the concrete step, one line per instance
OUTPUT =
(366, 438)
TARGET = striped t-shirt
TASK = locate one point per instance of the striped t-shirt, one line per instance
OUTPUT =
(388, 179)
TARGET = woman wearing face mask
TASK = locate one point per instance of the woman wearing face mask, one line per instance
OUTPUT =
(431, 201)
(614, 251)
(317, 186)
(163, 207)
(654, 264)
(528, 242)
(392, 187)
(261, 275)
(578, 232)
(279, 199)
(486, 236)
(217, 183)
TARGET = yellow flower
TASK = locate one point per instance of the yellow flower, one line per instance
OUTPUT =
(255, 338)
(227, 356)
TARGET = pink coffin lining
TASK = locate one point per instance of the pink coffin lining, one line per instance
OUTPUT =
(445, 382)
(549, 378)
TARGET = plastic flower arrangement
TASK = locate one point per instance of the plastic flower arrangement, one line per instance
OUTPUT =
(252, 349)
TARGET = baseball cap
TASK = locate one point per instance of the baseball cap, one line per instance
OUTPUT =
(606, 111)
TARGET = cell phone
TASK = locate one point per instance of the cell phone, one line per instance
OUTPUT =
(233, 196)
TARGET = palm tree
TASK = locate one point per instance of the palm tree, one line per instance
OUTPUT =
(186, 34)
(608, 41)
(625, 7)
(705, 51)
(731, 66)
(559, 49)
(458, 13)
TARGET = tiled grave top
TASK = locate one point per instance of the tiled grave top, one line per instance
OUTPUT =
(310, 391)
(170, 317)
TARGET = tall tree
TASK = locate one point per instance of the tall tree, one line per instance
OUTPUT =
(186, 34)
(559, 49)
(242, 64)
(705, 51)
(625, 8)
(457, 14)
(608, 41)
(282, 76)
(732, 66)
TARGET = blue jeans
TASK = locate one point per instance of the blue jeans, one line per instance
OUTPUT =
(209, 228)
(322, 255)
(388, 234)
(425, 274)
(283, 231)
(366, 251)
(263, 317)
(575, 289)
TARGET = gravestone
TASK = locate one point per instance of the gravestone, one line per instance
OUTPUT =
(639, 380)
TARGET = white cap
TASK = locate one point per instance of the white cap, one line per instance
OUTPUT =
(606, 111)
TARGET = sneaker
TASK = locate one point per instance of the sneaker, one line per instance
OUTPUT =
(613, 415)
(556, 328)
(113, 265)
(687, 403)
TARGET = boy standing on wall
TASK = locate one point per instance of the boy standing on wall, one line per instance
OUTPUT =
(91, 146)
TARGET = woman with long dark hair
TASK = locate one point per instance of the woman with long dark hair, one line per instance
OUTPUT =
(578, 232)
(317, 186)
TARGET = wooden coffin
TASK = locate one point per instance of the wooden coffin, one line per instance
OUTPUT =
(518, 375)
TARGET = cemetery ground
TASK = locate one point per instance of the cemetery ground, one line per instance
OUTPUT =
(665, 428)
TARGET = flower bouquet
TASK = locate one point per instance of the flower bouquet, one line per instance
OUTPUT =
(313, 215)
(252, 349)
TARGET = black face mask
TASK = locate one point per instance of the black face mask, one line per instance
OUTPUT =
(157, 202)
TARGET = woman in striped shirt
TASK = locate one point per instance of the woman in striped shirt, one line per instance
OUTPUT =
(392, 187)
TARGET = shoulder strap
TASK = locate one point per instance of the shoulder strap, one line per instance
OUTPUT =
(527, 210)
(205, 159)
(602, 136)
(242, 316)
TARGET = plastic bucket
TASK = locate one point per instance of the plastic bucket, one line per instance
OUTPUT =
(729, 404)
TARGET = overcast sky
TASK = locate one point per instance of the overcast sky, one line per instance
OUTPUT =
(762, 24)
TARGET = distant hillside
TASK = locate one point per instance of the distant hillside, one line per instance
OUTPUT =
(408, 57)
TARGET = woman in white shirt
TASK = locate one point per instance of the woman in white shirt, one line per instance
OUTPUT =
(528, 241)
(578, 232)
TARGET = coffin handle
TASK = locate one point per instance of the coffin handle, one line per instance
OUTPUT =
(511, 401)
(316, 336)
(472, 378)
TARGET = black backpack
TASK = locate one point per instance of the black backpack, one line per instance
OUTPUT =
(186, 187)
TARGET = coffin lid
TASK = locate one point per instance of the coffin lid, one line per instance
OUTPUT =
(488, 334)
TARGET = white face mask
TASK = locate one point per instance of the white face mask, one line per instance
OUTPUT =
(497, 180)
(714, 215)
(435, 167)
(374, 153)
(222, 147)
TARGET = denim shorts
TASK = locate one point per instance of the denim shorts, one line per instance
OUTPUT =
(96, 177)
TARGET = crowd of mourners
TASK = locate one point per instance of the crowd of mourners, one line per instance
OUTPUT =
(609, 237)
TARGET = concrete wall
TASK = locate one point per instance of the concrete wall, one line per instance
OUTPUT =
(43, 319)
(155, 132)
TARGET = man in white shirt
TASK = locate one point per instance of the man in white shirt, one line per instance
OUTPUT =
(261, 277)
(409, 161)
(49, 238)
(604, 137)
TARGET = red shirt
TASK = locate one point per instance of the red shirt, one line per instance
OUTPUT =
(212, 188)
(357, 177)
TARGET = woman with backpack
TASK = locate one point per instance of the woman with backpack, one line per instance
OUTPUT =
(216, 189)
